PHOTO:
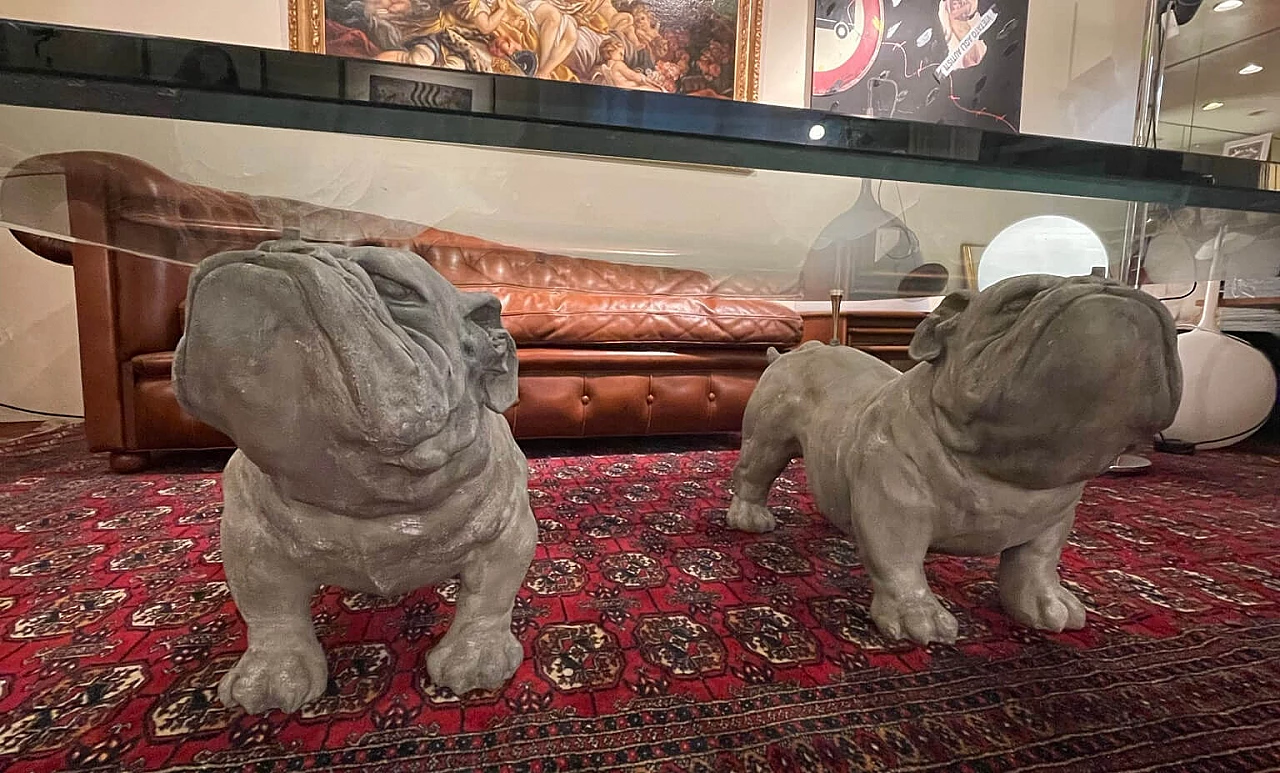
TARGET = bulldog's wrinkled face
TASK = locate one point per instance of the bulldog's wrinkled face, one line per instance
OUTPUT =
(1050, 378)
(310, 356)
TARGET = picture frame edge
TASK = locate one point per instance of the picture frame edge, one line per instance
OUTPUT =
(306, 26)
(747, 50)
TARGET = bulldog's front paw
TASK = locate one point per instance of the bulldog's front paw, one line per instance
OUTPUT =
(919, 618)
(1046, 606)
(282, 675)
(468, 660)
(746, 516)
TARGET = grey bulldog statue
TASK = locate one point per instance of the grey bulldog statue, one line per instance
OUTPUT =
(364, 394)
(1022, 393)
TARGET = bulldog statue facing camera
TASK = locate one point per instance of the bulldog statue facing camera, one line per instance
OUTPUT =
(365, 395)
(1022, 393)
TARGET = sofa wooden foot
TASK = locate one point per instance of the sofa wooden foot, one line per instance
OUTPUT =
(128, 462)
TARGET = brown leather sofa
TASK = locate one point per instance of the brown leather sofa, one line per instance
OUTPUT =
(604, 348)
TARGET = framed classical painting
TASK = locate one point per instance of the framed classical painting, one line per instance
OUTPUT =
(707, 48)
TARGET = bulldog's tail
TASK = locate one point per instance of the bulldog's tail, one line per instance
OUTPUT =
(773, 354)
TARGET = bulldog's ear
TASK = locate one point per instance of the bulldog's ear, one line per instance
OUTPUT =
(930, 340)
(497, 364)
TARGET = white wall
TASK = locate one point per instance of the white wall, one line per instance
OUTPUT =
(1083, 64)
(621, 211)
(39, 359)
(246, 22)
(785, 52)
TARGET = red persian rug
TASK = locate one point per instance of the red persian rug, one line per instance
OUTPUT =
(656, 639)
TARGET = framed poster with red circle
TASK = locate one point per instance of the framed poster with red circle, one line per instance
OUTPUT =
(957, 62)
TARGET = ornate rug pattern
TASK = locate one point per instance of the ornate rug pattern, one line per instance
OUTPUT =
(656, 639)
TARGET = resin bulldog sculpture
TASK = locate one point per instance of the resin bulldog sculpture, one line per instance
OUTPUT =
(1022, 393)
(365, 394)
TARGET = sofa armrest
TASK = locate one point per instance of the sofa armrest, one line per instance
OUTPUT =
(149, 213)
(137, 208)
(55, 250)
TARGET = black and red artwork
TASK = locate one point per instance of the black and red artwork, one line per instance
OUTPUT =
(956, 62)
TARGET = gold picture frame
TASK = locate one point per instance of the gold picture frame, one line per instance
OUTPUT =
(306, 20)
(970, 257)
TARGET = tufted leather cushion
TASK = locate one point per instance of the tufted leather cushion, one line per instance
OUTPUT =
(566, 301)
(569, 317)
(562, 393)
(588, 405)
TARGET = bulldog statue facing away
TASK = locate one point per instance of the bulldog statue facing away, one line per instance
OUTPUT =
(365, 395)
(1022, 393)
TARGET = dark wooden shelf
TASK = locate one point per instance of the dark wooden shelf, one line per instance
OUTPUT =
(879, 349)
(882, 331)
(883, 334)
(1250, 303)
(875, 317)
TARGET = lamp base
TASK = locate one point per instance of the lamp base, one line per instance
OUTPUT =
(837, 296)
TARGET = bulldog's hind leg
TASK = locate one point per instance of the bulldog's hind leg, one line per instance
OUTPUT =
(479, 651)
(284, 666)
(1030, 590)
(763, 457)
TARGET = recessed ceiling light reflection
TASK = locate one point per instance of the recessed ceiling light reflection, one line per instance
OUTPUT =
(817, 131)
(1228, 5)
(1211, 105)
(1250, 69)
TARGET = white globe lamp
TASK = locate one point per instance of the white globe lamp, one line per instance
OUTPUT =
(1045, 244)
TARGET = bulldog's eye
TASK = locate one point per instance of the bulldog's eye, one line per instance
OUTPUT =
(392, 290)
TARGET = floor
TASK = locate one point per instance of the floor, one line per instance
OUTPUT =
(654, 637)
